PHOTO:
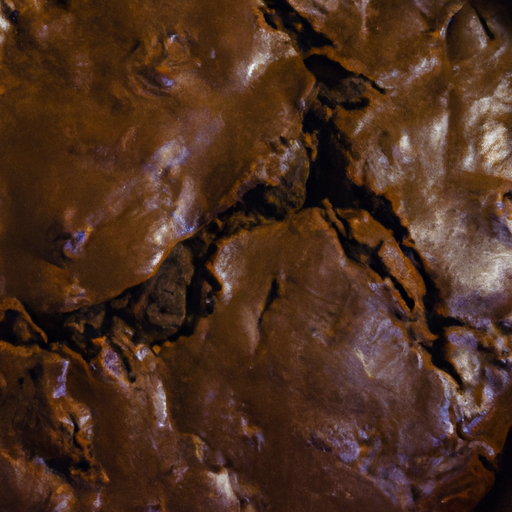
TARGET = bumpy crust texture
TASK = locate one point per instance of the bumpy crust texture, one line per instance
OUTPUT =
(327, 183)
(125, 129)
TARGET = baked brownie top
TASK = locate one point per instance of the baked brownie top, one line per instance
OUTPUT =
(308, 388)
(435, 138)
(354, 354)
(124, 128)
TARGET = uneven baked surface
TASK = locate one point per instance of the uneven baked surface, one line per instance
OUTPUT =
(435, 137)
(337, 335)
(308, 388)
(126, 128)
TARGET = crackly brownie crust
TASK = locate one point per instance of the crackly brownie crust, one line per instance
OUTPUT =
(125, 129)
(336, 336)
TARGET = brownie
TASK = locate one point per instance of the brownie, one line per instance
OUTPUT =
(255, 256)
(126, 129)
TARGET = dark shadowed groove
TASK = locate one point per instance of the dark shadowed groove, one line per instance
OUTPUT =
(280, 15)
(327, 71)
(436, 351)
(272, 295)
(330, 181)
(501, 490)
(197, 305)
(489, 33)
(130, 374)
(373, 84)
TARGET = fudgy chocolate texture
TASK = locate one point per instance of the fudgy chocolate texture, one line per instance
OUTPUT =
(351, 355)
(124, 128)
(435, 140)
(327, 401)
(305, 389)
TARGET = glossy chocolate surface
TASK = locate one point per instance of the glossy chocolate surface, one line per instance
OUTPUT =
(301, 390)
(435, 139)
(352, 353)
(124, 129)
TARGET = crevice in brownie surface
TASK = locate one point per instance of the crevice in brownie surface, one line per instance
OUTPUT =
(501, 488)
(272, 296)
(439, 360)
(280, 15)
(488, 32)
(78, 329)
(130, 374)
(432, 299)
(328, 177)
(381, 209)
(333, 75)
(329, 180)
(327, 71)
(369, 256)
(201, 300)
(411, 304)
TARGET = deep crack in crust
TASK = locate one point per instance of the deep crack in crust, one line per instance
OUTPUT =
(374, 342)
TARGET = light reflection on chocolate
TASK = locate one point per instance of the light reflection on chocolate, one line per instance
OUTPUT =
(118, 123)
(354, 355)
